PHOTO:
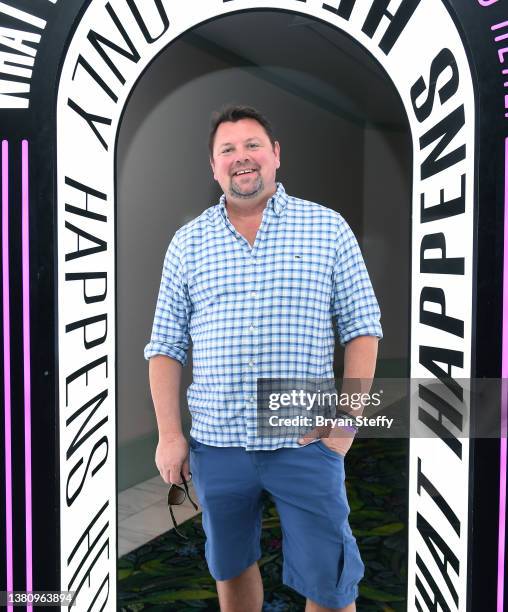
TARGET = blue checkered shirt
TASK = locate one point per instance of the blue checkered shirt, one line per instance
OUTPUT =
(263, 311)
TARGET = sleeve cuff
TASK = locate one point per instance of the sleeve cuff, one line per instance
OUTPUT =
(159, 348)
(370, 329)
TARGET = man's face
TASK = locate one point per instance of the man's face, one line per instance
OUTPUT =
(244, 162)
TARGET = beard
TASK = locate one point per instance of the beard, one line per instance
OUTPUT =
(248, 192)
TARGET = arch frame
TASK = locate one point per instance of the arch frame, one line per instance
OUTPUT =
(84, 156)
(78, 99)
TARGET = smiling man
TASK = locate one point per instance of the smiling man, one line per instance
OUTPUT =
(261, 283)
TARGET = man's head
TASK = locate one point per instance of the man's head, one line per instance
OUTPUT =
(244, 154)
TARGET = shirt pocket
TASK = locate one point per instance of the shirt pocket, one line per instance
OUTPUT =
(303, 280)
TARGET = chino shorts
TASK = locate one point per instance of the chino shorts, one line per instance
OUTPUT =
(321, 558)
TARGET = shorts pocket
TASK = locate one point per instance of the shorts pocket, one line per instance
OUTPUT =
(194, 444)
(351, 568)
(328, 451)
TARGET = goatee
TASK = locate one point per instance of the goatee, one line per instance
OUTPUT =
(258, 188)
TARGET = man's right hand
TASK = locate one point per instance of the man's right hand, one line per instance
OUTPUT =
(172, 458)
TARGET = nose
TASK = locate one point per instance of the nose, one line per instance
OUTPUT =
(242, 156)
(241, 160)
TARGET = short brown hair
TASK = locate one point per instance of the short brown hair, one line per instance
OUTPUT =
(233, 113)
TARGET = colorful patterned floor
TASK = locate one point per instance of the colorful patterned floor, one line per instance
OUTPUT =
(168, 574)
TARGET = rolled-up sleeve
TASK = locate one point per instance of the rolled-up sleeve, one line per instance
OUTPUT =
(170, 331)
(355, 309)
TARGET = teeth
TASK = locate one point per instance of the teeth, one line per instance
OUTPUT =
(243, 172)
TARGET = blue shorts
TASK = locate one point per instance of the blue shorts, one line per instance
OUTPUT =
(321, 558)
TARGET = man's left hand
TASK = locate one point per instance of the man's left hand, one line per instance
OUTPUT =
(337, 439)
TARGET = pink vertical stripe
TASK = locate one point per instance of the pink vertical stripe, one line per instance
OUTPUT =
(26, 362)
(7, 364)
(504, 399)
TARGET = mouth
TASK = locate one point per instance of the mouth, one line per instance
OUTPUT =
(244, 171)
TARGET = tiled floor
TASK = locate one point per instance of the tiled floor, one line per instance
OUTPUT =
(143, 513)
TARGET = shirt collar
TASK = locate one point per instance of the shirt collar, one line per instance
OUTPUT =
(277, 202)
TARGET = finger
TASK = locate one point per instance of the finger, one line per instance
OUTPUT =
(175, 475)
(309, 436)
(162, 471)
(186, 471)
(165, 476)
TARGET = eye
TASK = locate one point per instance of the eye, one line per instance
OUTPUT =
(253, 145)
(226, 150)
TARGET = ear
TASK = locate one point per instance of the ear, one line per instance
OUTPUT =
(213, 167)
(276, 150)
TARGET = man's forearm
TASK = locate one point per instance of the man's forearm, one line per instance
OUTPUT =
(165, 377)
(360, 357)
(359, 366)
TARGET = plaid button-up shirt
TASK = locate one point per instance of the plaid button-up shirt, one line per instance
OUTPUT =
(265, 311)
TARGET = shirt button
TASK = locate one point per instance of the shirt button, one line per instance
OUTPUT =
(253, 293)
(251, 363)
(252, 399)
(252, 327)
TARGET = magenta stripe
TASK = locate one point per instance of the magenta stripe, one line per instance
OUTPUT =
(7, 363)
(504, 399)
(25, 256)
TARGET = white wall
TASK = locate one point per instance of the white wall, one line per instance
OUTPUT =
(386, 232)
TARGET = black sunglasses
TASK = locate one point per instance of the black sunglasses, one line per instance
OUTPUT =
(176, 497)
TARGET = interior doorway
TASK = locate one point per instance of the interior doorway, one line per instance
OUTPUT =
(345, 143)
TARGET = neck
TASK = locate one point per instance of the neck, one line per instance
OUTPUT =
(245, 210)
